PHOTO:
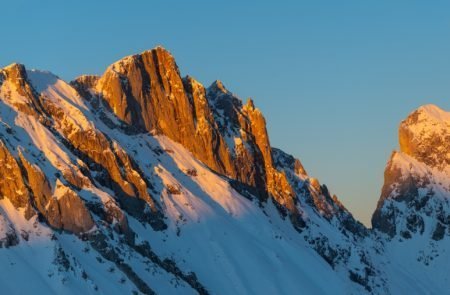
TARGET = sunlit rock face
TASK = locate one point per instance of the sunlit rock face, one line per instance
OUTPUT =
(24, 184)
(67, 211)
(12, 184)
(425, 136)
(416, 191)
(147, 92)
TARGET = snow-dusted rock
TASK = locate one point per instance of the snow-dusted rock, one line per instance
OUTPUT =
(141, 181)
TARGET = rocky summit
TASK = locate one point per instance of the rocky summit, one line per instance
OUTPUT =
(143, 181)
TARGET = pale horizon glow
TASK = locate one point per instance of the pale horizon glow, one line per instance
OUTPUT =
(334, 80)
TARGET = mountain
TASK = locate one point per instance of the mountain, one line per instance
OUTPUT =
(142, 181)
(413, 213)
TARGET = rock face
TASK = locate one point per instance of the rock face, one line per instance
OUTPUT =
(146, 91)
(24, 184)
(12, 185)
(417, 177)
(425, 136)
(66, 211)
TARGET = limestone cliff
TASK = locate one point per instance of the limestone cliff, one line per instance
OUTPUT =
(147, 92)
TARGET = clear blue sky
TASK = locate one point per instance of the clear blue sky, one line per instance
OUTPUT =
(334, 78)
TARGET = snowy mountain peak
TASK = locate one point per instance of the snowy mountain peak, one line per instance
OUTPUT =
(217, 86)
(433, 111)
(417, 177)
(13, 67)
(413, 211)
(425, 135)
(14, 71)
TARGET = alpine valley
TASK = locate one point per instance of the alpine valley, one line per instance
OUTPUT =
(142, 181)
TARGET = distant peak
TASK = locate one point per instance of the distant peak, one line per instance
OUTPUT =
(13, 66)
(424, 115)
(15, 71)
(191, 80)
(314, 182)
(88, 80)
(161, 48)
(41, 72)
(435, 112)
(159, 52)
(250, 104)
(430, 107)
(218, 86)
(424, 134)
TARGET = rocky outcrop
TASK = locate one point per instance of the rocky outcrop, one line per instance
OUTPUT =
(12, 185)
(316, 196)
(66, 211)
(84, 83)
(236, 128)
(416, 180)
(15, 81)
(8, 235)
(37, 182)
(27, 187)
(425, 136)
(147, 91)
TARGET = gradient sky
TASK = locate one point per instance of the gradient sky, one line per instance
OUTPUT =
(333, 78)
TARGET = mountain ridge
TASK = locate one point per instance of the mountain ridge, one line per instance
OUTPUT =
(176, 188)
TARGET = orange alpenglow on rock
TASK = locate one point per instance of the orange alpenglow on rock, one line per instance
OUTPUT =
(149, 179)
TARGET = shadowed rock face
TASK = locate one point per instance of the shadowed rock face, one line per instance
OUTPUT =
(399, 187)
(416, 179)
(83, 83)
